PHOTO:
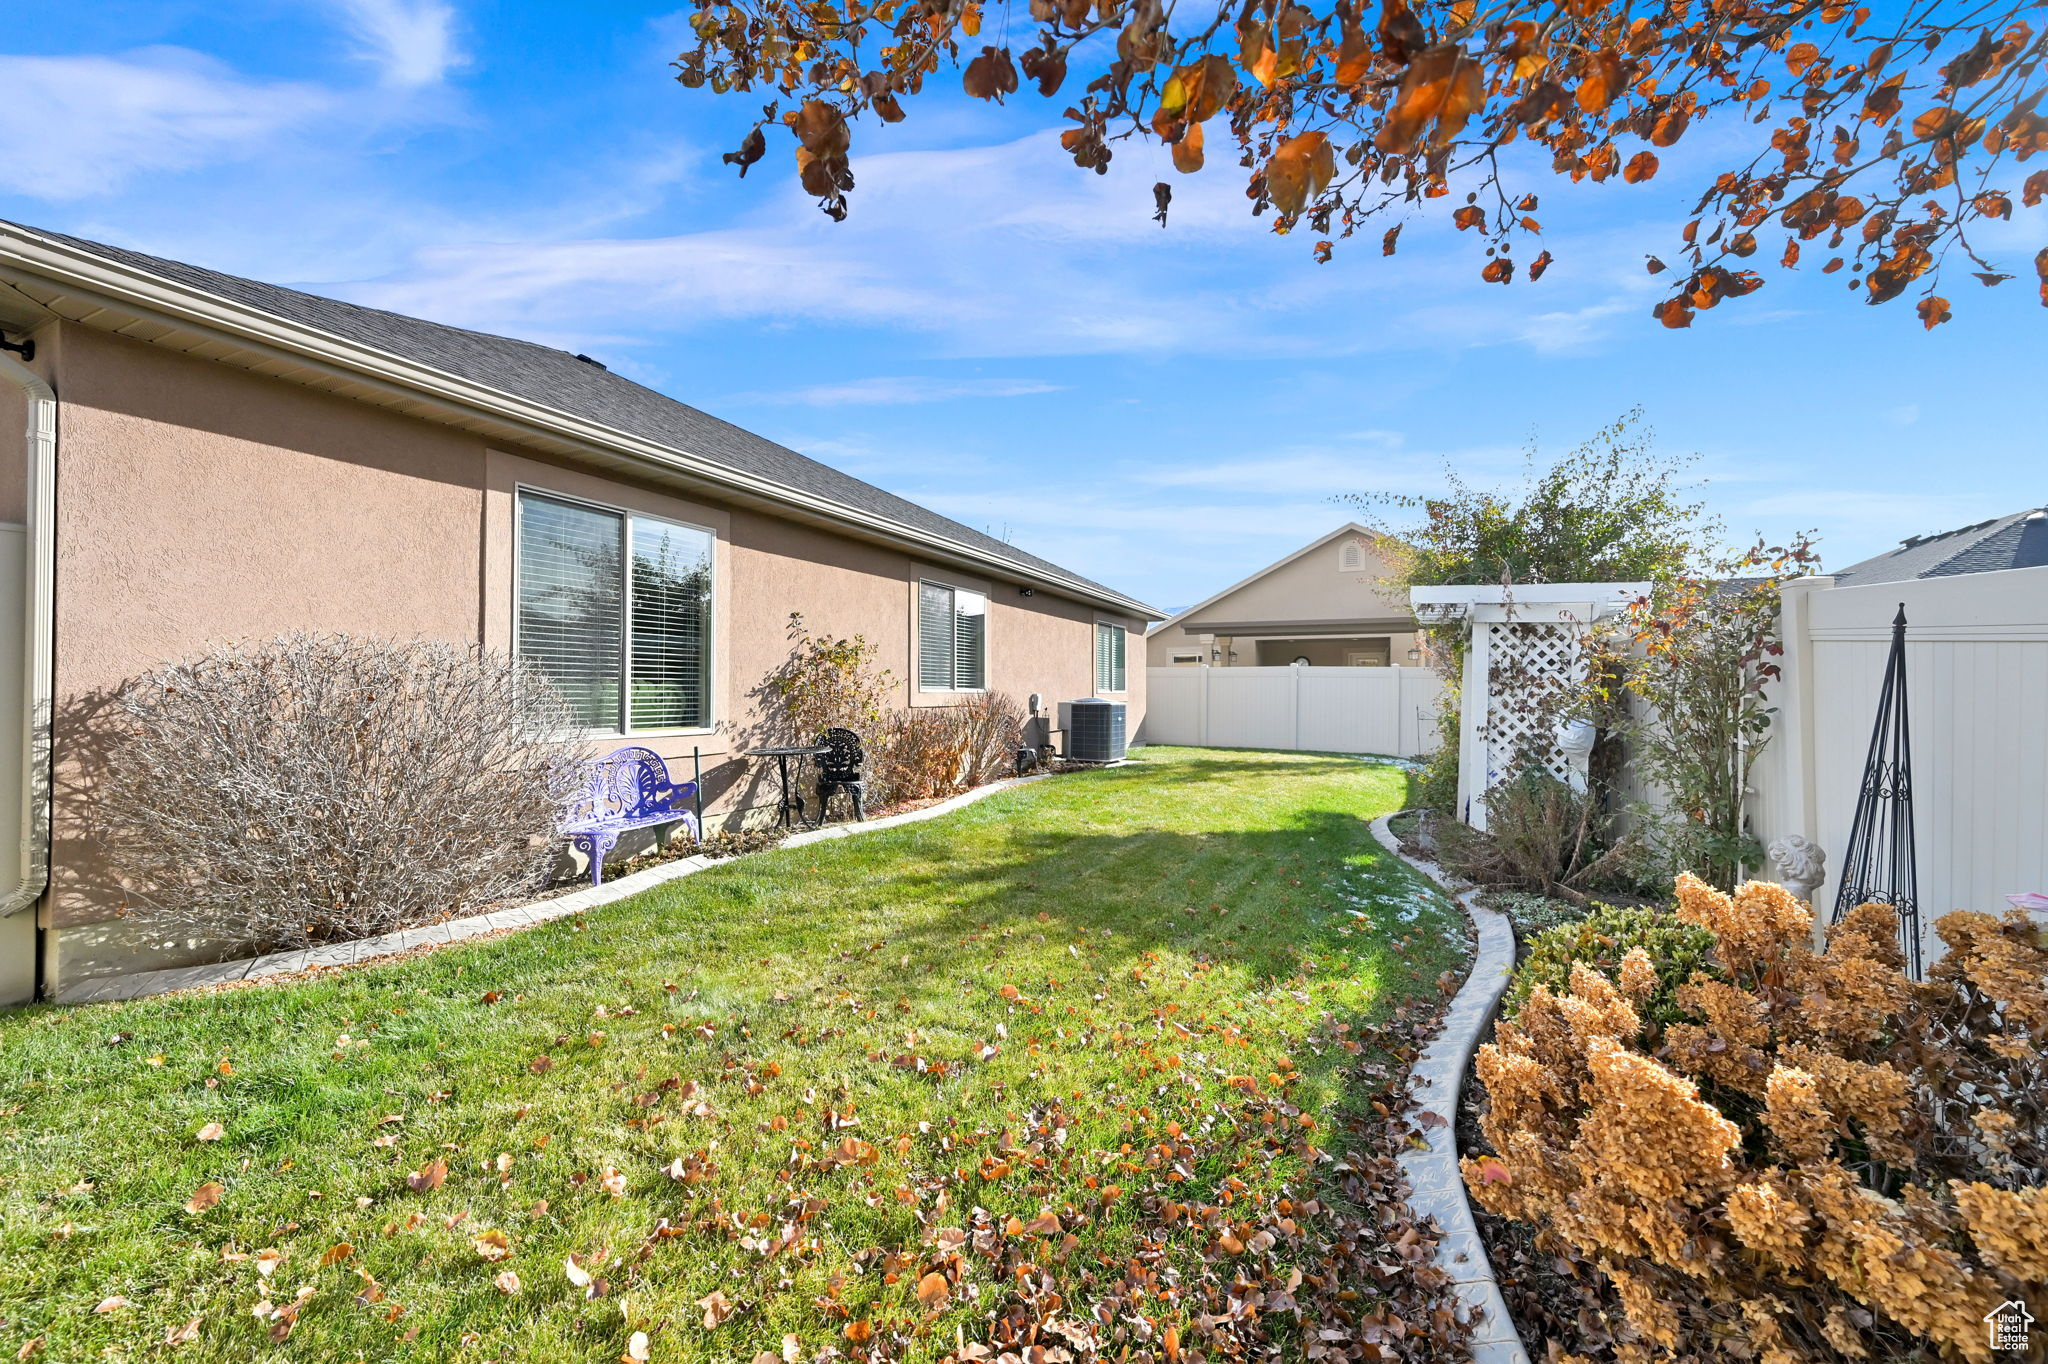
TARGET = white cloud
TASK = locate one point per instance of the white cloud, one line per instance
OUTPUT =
(896, 391)
(413, 41)
(77, 126)
(1017, 254)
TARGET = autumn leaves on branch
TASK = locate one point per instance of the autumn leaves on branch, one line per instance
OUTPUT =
(1884, 139)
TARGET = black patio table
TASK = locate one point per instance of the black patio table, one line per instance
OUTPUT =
(792, 799)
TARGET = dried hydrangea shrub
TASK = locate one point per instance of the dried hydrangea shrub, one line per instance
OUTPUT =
(1822, 1160)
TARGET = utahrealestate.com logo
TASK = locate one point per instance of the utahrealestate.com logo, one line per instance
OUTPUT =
(2008, 1323)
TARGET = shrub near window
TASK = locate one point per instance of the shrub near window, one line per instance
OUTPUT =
(1822, 1161)
(324, 787)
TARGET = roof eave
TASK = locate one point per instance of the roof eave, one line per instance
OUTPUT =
(222, 320)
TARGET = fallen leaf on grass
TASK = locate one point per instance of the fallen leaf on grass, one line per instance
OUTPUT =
(267, 1260)
(507, 1282)
(213, 1131)
(492, 1245)
(420, 1181)
(113, 1304)
(336, 1253)
(183, 1335)
(636, 1349)
(933, 1290)
(717, 1308)
(204, 1197)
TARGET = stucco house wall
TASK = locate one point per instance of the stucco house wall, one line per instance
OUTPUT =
(201, 502)
(1290, 601)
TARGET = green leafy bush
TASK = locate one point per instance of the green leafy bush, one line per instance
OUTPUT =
(1534, 913)
(1676, 948)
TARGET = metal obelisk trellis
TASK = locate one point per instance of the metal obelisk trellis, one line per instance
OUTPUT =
(1879, 864)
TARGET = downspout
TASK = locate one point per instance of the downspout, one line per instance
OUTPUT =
(39, 645)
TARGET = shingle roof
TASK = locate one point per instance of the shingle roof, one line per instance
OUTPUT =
(2016, 541)
(558, 379)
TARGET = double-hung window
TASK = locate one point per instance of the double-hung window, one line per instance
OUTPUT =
(952, 639)
(615, 610)
(1110, 643)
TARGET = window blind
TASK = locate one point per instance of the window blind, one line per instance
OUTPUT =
(615, 610)
(952, 639)
(935, 650)
(669, 657)
(1110, 645)
(571, 603)
(970, 641)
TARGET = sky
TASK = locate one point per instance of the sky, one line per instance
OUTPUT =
(993, 332)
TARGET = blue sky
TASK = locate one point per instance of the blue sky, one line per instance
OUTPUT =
(992, 332)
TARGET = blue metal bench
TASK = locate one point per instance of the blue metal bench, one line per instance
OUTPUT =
(628, 788)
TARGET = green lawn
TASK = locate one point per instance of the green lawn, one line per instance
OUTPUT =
(779, 1097)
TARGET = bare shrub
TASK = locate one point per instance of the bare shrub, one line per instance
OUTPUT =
(991, 726)
(1541, 836)
(921, 755)
(322, 787)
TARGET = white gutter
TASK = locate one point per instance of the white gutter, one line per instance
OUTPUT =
(187, 306)
(39, 651)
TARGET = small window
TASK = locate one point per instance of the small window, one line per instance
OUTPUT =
(615, 610)
(1110, 643)
(952, 639)
(1186, 659)
(1351, 557)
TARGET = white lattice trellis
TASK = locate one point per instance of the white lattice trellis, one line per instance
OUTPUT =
(1527, 646)
(1532, 666)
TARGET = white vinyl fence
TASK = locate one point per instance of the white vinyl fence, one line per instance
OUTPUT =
(1313, 710)
(1977, 688)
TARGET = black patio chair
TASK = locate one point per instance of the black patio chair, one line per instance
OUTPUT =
(839, 770)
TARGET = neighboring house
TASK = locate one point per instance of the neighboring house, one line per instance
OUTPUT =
(211, 458)
(1326, 604)
(2019, 540)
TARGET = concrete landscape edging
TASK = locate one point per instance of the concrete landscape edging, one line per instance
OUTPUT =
(137, 984)
(1436, 1188)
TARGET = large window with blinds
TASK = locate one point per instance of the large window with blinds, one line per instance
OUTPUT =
(952, 639)
(1110, 643)
(615, 609)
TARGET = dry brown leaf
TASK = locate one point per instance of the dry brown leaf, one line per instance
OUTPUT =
(213, 1131)
(933, 1290)
(204, 1197)
(492, 1244)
